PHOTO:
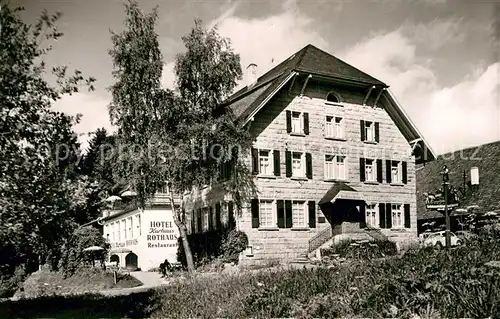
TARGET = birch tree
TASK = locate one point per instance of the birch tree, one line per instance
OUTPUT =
(183, 136)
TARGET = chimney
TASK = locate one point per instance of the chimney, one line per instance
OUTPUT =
(251, 73)
(474, 178)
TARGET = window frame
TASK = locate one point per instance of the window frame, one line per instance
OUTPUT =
(373, 209)
(400, 210)
(373, 170)
(335, 164)
(270, 159)
(334, 128)
(337, 97)
(304, 213)
(397, 179)
(302, 165)
(370, 129)
(300, 121)
(274, 218)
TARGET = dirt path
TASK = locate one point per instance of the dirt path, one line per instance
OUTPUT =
(149, 280)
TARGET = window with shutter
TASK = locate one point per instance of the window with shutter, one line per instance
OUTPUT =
(379, 171)
(280, 207)
(312, 214)
(288, 121)
(362, 127)
(362, 216)
(407, 216)
(255, 161)
(306, 123)
(404, 168)
(388, 215)
(377, 132)
(277, 164)
(288, 163)
(382, 218)
(255, 213)
(309, 173)
(362, 172)
(288, 214)
(388, 172)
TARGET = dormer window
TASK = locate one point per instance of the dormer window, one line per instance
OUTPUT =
(332, 98)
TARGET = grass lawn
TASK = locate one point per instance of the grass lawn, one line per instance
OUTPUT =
(425, 282)
(85, 280)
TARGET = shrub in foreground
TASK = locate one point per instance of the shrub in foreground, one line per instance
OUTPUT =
(362, 250)
(425, 282)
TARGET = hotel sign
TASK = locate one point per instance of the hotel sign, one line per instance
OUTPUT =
(121, 244)
(162, 234)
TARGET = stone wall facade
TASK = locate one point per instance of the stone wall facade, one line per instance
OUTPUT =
(269, 126)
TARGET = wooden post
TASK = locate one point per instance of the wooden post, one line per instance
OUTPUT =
(447, 215)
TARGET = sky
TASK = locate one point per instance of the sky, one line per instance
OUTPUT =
(441, 58)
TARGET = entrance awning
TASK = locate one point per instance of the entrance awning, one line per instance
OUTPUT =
(341, 191)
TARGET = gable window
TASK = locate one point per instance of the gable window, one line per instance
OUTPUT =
(299, 214)
(334, 127)
(265, 164)
(297, 122)
(335, 167)
(369, 131)
(372, 219)
(397, 216)
(370, 170)
(266, 214)
(332, 98)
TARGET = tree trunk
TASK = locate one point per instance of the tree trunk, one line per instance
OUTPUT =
(181, 225)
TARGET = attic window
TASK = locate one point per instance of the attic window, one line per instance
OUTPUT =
(332, 98)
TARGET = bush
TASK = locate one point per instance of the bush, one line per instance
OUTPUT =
(235, 243)
(224, 243)
(10, 283)
(362, 250)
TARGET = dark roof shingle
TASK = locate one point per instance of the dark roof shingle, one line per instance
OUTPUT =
(334, 190)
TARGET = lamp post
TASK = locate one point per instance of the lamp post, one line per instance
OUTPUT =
(446, 182)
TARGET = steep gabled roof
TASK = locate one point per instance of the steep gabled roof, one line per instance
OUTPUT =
(311, 60)
(484, 157)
